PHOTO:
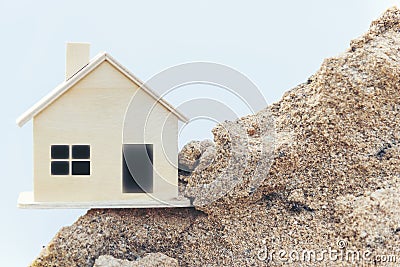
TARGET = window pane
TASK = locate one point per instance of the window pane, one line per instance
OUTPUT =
(59, 168)
(81, 152)
(81, 168)
(60, 152)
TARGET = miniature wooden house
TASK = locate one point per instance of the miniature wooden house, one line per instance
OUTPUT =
(81, 158)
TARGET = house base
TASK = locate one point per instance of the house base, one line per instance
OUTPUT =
(26, 201)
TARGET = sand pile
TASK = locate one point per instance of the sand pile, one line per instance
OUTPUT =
(330, 181)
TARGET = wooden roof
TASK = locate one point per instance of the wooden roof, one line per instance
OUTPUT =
(92, 65)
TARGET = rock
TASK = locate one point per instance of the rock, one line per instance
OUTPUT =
(110, 261)
(189, 155)
(192, 153)
(207, 157)
(319, 171)
(151, 260)
(206, 144)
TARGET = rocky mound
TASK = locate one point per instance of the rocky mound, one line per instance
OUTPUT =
(319, 170)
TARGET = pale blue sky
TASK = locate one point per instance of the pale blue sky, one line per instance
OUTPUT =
(277, 44)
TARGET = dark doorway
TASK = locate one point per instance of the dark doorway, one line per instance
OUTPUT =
(137, 168)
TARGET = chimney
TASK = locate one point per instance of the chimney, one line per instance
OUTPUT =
(77, 57)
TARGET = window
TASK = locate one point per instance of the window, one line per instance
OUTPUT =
(70, 160)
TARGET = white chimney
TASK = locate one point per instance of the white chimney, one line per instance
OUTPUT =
(78, 56)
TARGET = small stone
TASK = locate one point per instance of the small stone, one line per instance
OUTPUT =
(251, 131)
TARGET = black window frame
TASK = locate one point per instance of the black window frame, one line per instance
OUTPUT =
(78, 162)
